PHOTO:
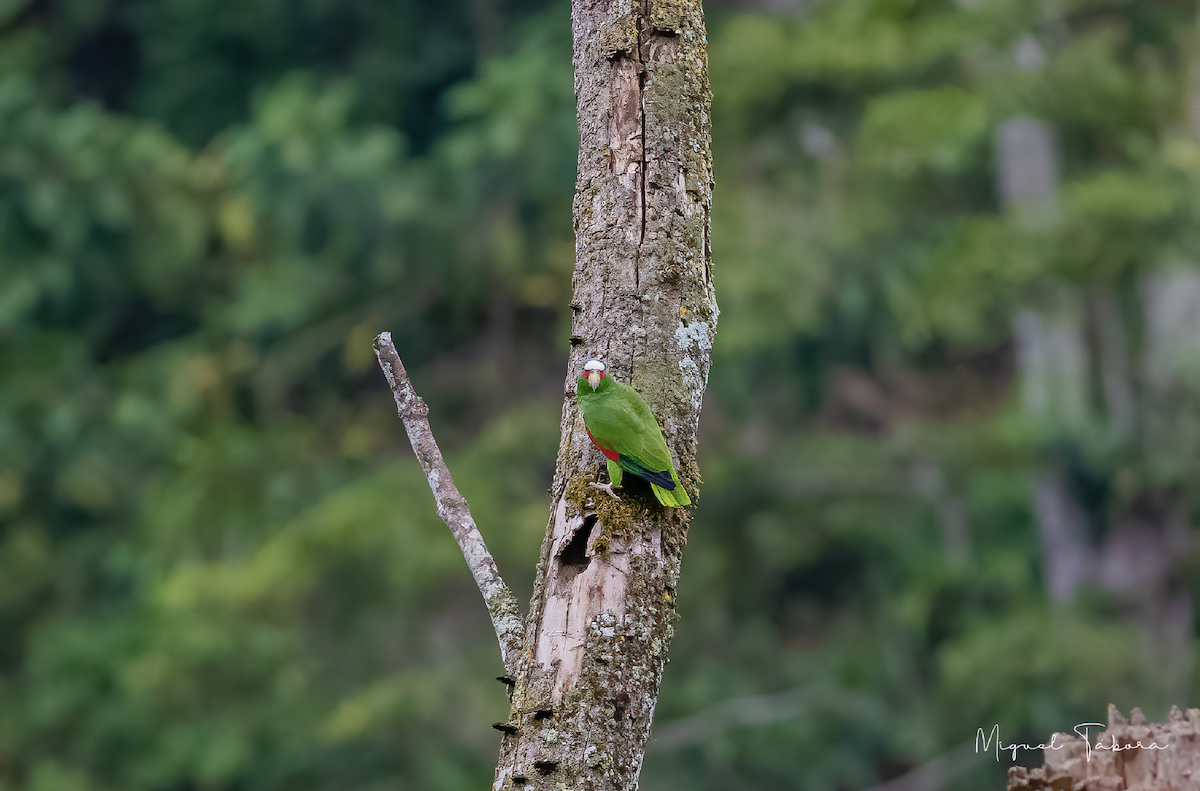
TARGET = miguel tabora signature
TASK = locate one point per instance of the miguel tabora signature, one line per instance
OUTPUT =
(1083, 730)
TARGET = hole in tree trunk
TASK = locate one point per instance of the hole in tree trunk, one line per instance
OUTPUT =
(574, 558)
(545, 767)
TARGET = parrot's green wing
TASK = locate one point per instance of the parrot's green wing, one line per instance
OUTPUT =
(620, 420)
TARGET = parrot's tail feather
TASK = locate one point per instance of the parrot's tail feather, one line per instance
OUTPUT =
(662, 479)
(677, 498)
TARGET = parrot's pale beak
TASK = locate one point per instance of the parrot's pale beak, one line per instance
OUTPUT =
(594, 379)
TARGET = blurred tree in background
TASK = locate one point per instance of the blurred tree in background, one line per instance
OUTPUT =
(220, 567)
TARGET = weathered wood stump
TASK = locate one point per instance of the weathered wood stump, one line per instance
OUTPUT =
(1131, 755)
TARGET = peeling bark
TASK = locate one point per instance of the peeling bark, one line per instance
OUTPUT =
(603, 608)
(1130, 755)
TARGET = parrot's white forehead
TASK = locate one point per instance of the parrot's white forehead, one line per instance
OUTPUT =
(593, 365)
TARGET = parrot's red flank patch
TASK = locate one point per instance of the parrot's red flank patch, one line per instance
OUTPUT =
(612, 454)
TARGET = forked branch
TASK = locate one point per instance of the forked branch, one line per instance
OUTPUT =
(452, 507)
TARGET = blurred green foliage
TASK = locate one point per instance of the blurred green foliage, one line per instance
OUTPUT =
(220, 567)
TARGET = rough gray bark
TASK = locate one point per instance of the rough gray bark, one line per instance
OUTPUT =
(603, 608)
(1130, 755)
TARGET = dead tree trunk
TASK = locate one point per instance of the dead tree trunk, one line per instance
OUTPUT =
(603, 608)
(583, 667)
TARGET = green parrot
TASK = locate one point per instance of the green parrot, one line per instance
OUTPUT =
(621, 425)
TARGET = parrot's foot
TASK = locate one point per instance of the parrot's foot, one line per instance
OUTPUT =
(605, 487)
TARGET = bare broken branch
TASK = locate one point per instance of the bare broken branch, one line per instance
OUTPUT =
(452, 507)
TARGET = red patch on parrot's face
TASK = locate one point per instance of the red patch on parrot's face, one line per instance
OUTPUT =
(612, 454)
